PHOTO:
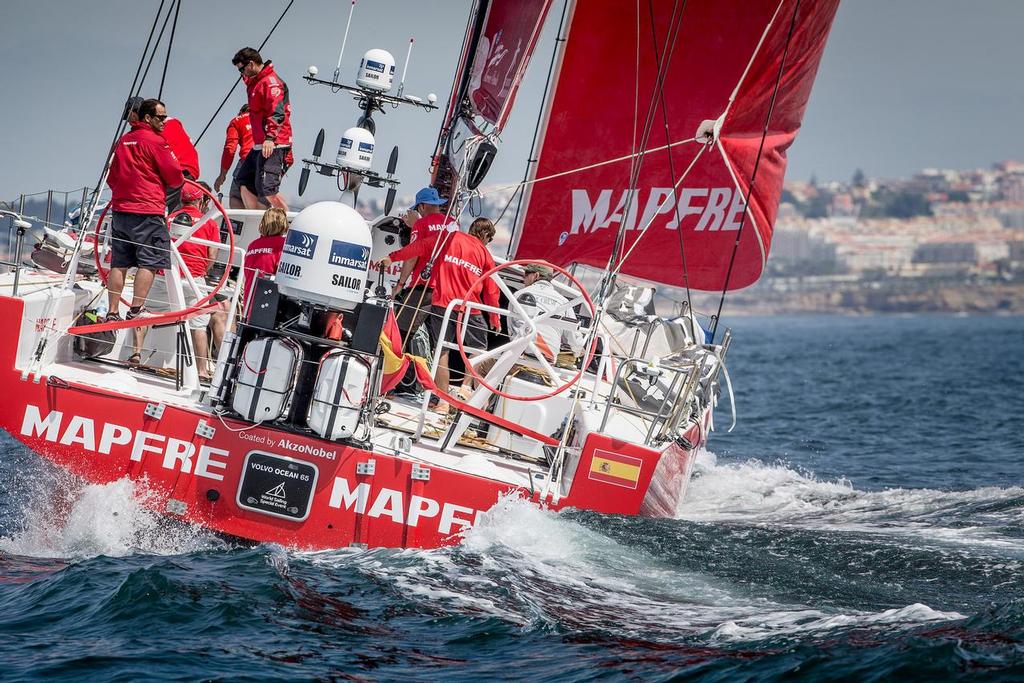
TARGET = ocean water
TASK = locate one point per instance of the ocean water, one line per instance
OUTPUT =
(864, 521)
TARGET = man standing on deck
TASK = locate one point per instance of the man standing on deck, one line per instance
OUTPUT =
(179, 142)
(459, 260)
(270, 114)
(425, 219)
(142, 172)
(238, 137)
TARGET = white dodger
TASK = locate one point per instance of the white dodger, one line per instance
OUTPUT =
(326, 256)
(376, 70)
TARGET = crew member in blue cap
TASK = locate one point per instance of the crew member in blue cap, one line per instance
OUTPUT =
(426, 217)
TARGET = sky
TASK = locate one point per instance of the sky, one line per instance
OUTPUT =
(903, 85)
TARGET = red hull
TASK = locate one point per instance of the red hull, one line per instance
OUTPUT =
(103, 436)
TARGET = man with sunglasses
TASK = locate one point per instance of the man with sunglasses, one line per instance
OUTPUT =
(142, 171)
(270, 114)
(179, 142)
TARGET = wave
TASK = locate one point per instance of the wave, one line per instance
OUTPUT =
(755, 492)
(544, 571)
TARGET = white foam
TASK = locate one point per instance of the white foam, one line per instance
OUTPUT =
(62, 518)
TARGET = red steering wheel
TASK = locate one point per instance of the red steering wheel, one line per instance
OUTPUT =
(103, 273)
(526, 342)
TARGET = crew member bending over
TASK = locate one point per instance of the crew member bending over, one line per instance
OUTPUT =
(458, 261)
(238, 137)
(558, 339)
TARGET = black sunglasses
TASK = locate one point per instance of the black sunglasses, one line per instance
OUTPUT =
(241, 67)
(158, 117)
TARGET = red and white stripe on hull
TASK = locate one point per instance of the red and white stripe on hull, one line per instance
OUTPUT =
(397, 501)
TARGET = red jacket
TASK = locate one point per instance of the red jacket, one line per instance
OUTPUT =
(424, 228)
(461, 260)
(141, 172)
(181, 144)
(261, 258)
(197, 256)
(269, 109)
(239, 133)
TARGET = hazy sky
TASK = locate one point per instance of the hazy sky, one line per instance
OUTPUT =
(904, 84)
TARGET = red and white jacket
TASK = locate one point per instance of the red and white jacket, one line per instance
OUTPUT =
(460, 261)
(181, 144)
(239, 137)
(270, 111)
(142, 170)
(424, 228)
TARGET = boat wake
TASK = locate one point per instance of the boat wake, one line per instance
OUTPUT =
(759, 493)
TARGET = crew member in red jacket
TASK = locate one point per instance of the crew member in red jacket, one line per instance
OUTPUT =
(270, 113)
(142, 171)
(238, 137)
(424, 219)
(264, 252)
(459, 259)
(179, 142)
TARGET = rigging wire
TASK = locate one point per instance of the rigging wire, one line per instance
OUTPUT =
(239, 79)
(159, 37)
(659, 85)
(671, 163)
(753, 174)
(170, 44)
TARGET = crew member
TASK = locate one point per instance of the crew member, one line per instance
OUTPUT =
(238, 137)
(142, 171)
(179, 142)
(460, 259)
(558, 338)
(270, 114)
(264, 252)
(424, 219)
(197, 259)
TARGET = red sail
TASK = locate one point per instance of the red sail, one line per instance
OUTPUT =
(511, 29)
(596, 119)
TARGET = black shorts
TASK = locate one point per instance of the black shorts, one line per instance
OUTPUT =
(236, 187)
(141, 240)
(474, 325)
(263, 176)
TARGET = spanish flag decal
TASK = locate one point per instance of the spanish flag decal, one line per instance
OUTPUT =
(615, 468)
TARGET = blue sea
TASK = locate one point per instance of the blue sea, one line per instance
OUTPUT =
(863, 521)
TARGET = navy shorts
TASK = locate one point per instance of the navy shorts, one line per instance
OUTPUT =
(140, 240)
(474, 325)
(263, 176)
(236, 187)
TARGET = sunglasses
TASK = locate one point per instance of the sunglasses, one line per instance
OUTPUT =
(241, 67)
(159, 117)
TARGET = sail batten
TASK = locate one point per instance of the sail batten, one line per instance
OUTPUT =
(726, 59)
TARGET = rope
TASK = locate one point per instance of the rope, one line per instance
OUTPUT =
(170, 44)
(753, 174)
(671, 161)
(239, 79)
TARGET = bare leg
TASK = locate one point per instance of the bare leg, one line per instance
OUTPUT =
(441, 376)
(138, 337)
(250, 200)
(143, 281)
(236, 203)
(277, 201)
(202, 348)
(218, 323)
(115, 285)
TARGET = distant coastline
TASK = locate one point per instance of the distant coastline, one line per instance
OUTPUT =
(869, 298)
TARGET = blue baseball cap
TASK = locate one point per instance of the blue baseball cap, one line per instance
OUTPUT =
(429, 195)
